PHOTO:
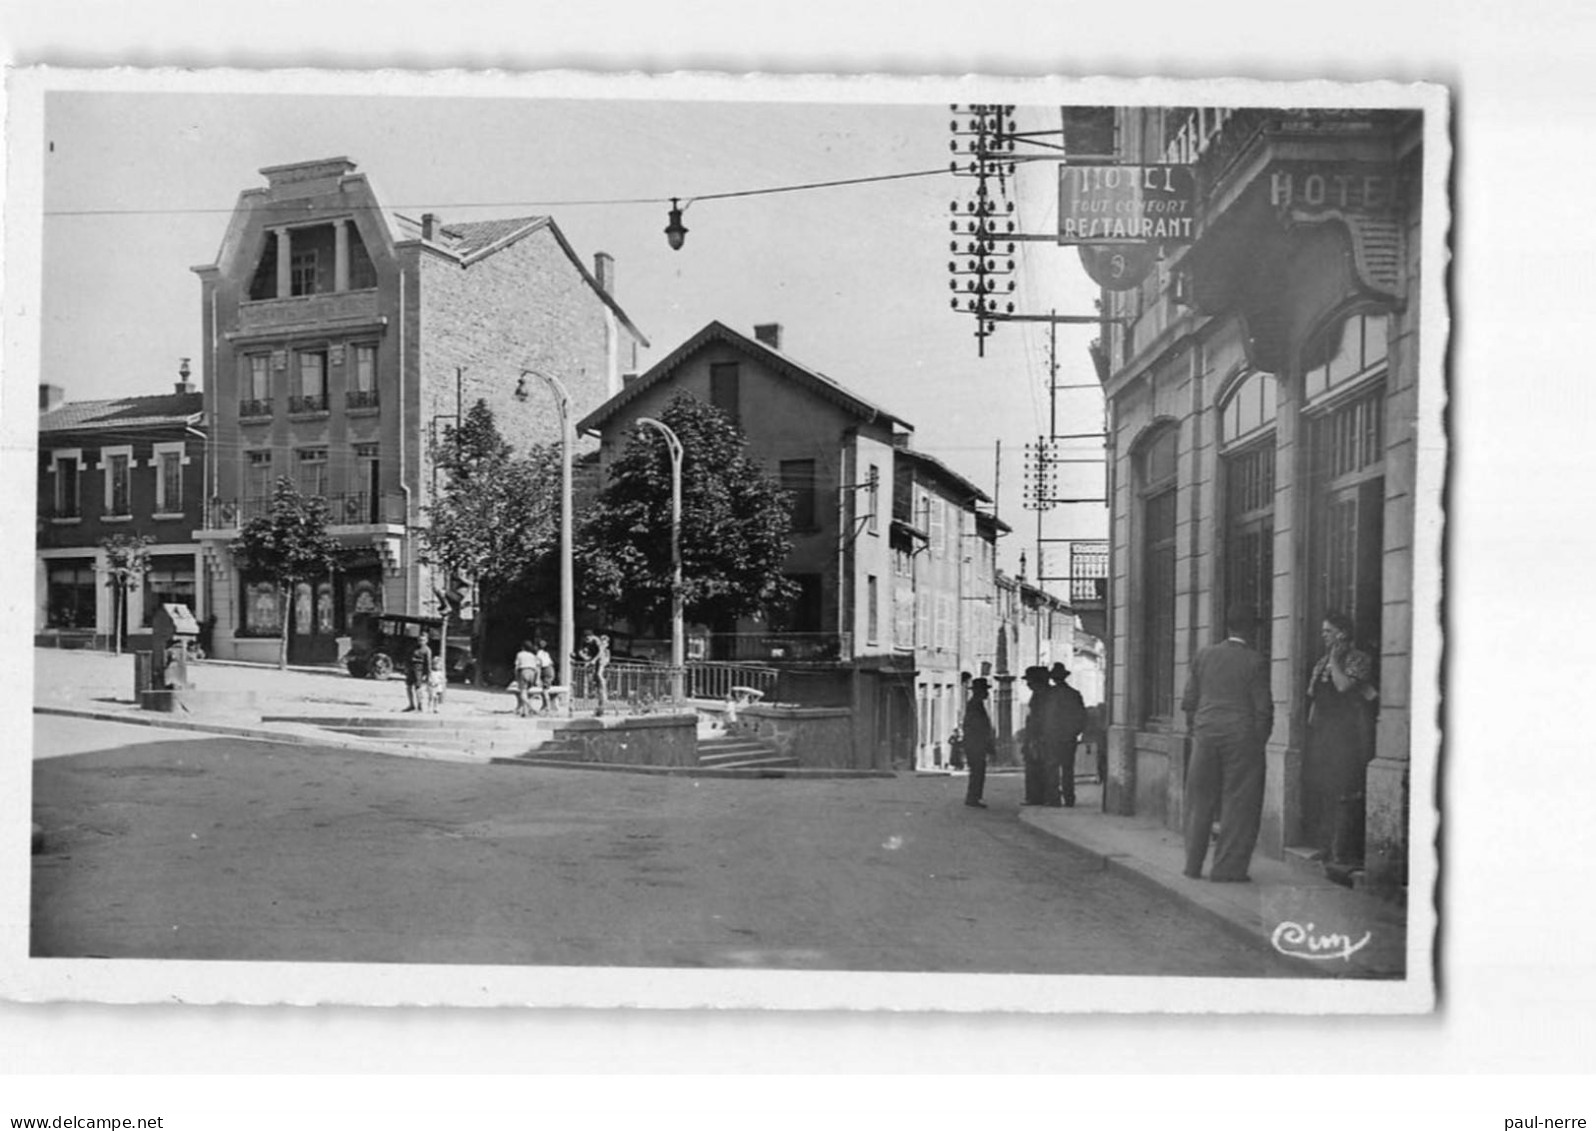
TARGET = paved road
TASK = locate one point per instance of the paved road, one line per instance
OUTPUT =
(163, 844)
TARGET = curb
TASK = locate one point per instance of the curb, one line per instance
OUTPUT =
(799, 772)
(255, 734)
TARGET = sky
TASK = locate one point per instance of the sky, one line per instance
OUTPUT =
(138, 188)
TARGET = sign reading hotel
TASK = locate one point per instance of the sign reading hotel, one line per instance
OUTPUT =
(1126, 204)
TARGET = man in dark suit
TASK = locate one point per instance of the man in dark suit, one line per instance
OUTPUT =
(979, 743)
(1034, 740)
(1229, 713)
(1069, 720)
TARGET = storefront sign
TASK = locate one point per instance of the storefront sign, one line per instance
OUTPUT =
(1119, 266)
(1126, 204)
(1340, 187)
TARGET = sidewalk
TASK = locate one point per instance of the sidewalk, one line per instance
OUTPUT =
(1335, 931)
(1293, 910)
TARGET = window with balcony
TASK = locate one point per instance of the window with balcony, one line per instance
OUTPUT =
(310, 472)
(366, 483)
(118, 465)
(257, 481)
(312, 382)
(257, 398)
(362, 391)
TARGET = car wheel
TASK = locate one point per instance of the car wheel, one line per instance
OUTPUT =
(381, 667)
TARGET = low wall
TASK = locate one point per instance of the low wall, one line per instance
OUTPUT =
(813, 736)
(636, 740)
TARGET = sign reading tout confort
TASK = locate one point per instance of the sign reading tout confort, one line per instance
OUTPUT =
(1126, 204)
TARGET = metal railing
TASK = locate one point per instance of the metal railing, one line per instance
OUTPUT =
(314, 402)
(349, 508)
(360, 398)
(252, 407)
(633, 684)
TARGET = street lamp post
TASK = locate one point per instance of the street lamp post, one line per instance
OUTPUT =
(678, 644)
(567, 581)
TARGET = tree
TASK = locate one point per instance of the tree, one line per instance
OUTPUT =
(493, 518)
(127, 561)
(735, 535)
(287, 545)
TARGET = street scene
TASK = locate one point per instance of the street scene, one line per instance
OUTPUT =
(734, 534)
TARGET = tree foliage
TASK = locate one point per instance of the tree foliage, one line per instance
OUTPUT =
(495, 513)
(127, 561)
(735, 534)
(287, 545)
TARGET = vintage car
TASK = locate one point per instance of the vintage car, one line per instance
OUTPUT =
(380, 645)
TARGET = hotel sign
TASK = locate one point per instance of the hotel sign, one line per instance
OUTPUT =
(1103, 204)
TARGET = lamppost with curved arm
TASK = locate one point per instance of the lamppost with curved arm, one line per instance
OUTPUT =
(678, 645)
(567, 582)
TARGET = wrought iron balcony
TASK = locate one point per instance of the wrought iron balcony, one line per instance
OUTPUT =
(312, 402)
(257, 408)
(351, 508)
(360, 398)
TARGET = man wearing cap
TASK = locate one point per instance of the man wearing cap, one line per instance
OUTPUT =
(979, 742)
(1069, 720)
(1034, 741)
(1229, 713)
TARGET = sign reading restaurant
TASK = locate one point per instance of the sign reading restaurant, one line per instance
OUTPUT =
(1126, 204)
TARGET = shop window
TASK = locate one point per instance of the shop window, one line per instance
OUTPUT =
(262, 608)
(1159, 494)
(71, 587)
(170, 581)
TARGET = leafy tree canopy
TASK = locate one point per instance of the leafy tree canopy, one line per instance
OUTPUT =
(289, 543)
(735, 534)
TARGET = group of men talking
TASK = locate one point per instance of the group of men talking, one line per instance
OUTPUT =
(1053, 728)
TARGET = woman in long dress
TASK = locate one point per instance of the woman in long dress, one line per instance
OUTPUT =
(1341, 699)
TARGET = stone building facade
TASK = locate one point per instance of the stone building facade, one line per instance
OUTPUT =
(340, 341)
(1263, 385)
(887, 542)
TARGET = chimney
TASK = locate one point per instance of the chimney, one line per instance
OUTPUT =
(50, 396)
(768, 333)
(429, 225)
(604, 272)
(184, 385)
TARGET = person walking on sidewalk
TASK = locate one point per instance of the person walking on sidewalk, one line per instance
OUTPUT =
(980, 743)
(1034, 740)
(1069, 720)
(1229, 713)
(418, 666)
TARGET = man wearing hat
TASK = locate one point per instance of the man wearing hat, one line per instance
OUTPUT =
(1069, 720)
(1229, 713)
(1034, 742)
(979, 742)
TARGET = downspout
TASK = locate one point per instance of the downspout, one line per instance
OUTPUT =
(404, 483)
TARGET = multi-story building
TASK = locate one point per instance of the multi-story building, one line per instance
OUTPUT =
(886, 543)
(129, 465)
(340, 340)
(1262, 385)
(951, 569)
